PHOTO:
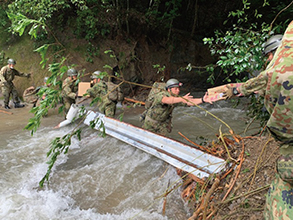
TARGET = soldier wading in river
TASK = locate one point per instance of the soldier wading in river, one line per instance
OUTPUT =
(108, 94)
(69, 89)
(158, 118)
(7, 75)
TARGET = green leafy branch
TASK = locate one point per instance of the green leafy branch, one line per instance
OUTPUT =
(51, 94)
(240, 49)
(58, 146)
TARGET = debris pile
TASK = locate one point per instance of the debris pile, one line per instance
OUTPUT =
(239, 192)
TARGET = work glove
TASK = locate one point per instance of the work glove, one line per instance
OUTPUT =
(231, 92)
(28, 75)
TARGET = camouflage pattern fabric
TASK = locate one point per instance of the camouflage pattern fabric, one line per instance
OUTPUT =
(279, 201)
(284, 165)
(105, 105)
(7, 75)
(7, 90)
(69, 89)
(115, 92)
(156, 88)
(30, 95)
(162, 128)
(277, 81)
(159, 116)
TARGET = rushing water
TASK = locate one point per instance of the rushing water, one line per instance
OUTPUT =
(99, 178)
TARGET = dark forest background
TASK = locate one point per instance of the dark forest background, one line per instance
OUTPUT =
(202, 43)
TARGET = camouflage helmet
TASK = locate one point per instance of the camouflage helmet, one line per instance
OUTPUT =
(173, 83)
(272, 43)
(72, 72)
(96, 74)
(11, 61)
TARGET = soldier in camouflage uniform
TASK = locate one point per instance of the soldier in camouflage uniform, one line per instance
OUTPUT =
(158, 117)
(277, 80)
(107, 99)
(7, 75)
(30, 95)
(69, 89)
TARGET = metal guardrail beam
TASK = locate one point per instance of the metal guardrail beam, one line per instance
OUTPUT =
(177, 154)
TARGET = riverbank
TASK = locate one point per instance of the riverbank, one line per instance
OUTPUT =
(240, 192)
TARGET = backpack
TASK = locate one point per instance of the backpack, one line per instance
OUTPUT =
(116, 94)
(156, 88)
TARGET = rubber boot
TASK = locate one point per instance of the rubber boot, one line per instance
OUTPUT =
(18, 105)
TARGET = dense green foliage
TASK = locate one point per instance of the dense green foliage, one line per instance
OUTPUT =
(92, 19)
(240, 50)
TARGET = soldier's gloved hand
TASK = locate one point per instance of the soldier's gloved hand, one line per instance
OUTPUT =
(231, 92)
(86, 95)
(28, 75)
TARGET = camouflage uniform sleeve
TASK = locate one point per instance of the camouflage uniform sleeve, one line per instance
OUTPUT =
(160, 95)
(17, 73)
(89, 92)
(96, 90)
(2, 77)
(67, 90)
(255, 84)
(70, 94)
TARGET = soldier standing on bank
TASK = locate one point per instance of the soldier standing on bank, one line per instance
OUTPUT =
(277, 83)
(7, 75)
(69, 89)
(158, 117)
(108, 94)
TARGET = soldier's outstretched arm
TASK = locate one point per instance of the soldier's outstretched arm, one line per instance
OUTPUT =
(173, 100)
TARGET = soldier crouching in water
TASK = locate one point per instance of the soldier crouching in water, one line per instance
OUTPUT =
(30, 95)
(158, 117)
(69, 89)
(7, 75)
(277, 83)
(108, 94)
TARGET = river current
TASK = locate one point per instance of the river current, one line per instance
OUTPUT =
(100, 178)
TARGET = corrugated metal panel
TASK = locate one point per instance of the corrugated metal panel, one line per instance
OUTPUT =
(178, 154)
